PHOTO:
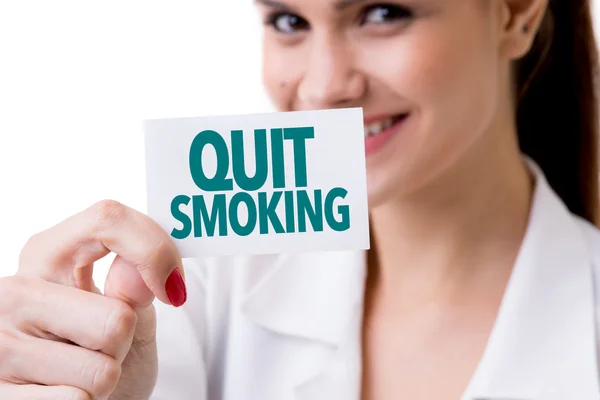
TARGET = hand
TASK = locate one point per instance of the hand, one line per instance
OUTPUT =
(60, 338)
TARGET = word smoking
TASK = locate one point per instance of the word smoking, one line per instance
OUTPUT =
(300, 207)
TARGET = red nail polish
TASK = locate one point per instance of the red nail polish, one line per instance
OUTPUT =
(175, 288)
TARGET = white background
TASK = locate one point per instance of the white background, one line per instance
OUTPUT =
(77, 77)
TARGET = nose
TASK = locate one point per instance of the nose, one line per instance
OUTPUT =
(331, 79)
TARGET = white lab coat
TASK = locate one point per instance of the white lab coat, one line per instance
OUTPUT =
(287, 327)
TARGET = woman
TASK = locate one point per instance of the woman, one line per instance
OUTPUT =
(482, 279)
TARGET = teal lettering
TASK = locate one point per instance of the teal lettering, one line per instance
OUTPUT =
(202, 218)
(298, 137)
(267, 211)
(223, 213)
(238, 160)
(305, 208)
(344, 210)
(219, 181)
(181, 217)
(277, 158)
(290, 225)
(236, 200)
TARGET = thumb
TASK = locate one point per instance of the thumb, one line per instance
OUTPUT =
(125, 283)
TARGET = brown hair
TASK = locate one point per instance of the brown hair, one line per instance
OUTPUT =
(557, 115)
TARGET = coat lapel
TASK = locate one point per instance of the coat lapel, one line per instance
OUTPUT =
(316, 298)
(543, 345)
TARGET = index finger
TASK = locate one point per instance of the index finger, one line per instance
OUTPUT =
(57, 254)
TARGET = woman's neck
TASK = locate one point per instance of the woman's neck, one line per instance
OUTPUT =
(462, 231)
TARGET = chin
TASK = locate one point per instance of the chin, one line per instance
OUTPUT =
(393, 182)
(379, 193)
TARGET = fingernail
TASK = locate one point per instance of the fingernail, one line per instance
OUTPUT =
(175, 288)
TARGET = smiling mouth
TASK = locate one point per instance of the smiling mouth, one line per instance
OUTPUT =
(375, 128)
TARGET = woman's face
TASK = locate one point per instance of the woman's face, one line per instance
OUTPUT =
(426, 73)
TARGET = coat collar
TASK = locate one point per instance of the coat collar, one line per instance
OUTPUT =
(311, 295)
(543, 342)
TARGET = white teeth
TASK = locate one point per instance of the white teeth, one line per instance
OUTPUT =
(376, 128)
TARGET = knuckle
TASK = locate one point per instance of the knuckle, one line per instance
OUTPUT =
(12, 289)
(145, 338)
(120, 323)
(106, 377)
(40, 251)
(30, 249)
(8, 349)
(7, 287)
(75, 394)
(155, 255)
(109, 213)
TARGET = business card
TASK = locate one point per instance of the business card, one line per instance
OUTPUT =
(259, 184)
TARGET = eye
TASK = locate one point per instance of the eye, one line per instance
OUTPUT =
(385, 14)
(288, 24)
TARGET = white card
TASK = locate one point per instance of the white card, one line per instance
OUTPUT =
(259, 184)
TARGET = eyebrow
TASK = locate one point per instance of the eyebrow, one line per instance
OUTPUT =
(273, 4)
(339, 5)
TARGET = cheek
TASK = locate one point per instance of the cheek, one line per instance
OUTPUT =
(280, 73)
(462, 90)
(444, 77)
(449, 80)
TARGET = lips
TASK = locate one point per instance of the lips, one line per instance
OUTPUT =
(379, 131)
